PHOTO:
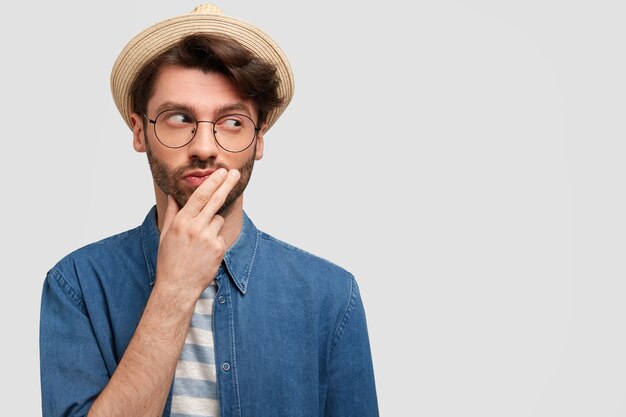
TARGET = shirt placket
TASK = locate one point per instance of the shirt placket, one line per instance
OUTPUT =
(224, 342)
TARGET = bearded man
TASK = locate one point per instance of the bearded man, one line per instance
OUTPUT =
(197, 312)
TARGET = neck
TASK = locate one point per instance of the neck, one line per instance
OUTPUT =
(233, 218)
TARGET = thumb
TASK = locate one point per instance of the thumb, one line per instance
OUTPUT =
(170, 213)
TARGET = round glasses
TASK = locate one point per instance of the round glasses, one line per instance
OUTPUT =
(176, 128)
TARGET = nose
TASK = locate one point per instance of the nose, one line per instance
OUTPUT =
(203, 145)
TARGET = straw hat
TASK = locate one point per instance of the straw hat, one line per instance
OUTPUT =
(206, 18)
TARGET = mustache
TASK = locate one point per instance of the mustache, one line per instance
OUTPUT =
(199, 164)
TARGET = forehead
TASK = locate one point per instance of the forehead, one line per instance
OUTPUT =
(205, 92)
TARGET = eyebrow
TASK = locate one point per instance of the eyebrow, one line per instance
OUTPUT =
(171, 105)
(225, 109)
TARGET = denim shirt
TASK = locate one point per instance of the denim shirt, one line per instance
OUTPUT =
(290, 332)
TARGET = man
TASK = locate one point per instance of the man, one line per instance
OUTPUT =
(196, 312)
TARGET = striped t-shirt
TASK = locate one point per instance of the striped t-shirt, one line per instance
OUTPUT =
(195, 389)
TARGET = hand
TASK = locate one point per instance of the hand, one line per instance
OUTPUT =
(191, 247)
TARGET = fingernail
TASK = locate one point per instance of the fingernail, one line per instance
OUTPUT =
(221, 172)
(235, 174)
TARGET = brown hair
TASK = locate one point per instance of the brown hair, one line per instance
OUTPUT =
(252, 76)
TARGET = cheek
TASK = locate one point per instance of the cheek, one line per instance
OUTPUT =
(243, 162)
(170, 158)
(245, 158)
(238, 162)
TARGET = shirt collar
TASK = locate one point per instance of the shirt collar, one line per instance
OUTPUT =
(238, 260)
(150, 240)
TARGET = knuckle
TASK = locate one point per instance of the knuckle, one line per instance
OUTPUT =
(176, 227)
(220, 248)
(192, 232)
(202, 197)
(216, 248)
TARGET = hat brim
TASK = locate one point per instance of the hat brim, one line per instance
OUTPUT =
(158, 38)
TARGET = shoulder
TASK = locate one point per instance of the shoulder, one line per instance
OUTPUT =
(294, 264)
(286, 253)
(329, 288)
(103, 249)
(96, 258)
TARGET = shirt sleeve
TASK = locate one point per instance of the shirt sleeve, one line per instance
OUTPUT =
(351, 388)
(73, 372)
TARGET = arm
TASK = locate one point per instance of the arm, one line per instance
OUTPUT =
(72, 368)
(351, 388)
(190, 252)
(72, 373)
(141, 383)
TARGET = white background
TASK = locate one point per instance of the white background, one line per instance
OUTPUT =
(464, 159)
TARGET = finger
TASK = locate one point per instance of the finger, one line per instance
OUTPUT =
(170, 213)
(219, 196)
(203, 193)
(211, 233)
(215, 225)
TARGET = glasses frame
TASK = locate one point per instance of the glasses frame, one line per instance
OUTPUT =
(153, 122)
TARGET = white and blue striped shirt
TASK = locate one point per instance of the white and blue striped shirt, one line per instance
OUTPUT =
(195, 389)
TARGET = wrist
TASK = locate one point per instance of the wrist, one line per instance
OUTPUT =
(182, 298)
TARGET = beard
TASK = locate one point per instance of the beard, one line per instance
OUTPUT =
(169, 180)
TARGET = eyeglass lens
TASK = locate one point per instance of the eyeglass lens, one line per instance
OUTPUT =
(233, 132)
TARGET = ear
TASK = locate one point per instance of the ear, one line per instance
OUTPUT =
(259, 143)
(139, 137)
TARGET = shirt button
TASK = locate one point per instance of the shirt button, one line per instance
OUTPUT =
(221, 299)
(226, 366)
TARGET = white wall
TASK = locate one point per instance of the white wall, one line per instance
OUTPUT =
(462, 158)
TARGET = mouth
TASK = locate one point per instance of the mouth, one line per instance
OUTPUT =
(195, 178)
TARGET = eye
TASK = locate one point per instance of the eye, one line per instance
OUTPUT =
(177, 118)
(230, 122)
